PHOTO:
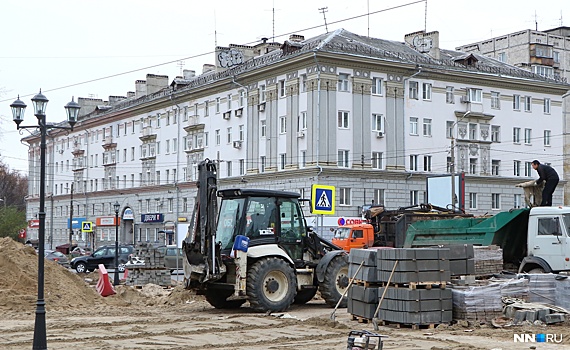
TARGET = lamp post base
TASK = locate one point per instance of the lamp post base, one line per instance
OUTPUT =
(40, 336)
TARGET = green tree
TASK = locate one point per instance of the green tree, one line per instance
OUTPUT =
(13, 190)
(11, 221)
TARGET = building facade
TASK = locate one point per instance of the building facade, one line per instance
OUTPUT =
(546, 53)
(375, 118)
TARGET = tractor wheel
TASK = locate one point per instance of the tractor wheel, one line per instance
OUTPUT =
(217, 298)
(271, 285)
(304, 296)
(536, 270)
(335, 281)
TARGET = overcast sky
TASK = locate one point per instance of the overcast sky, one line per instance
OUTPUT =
(55, 44)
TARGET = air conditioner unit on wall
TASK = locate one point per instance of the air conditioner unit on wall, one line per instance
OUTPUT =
(237, 144)
(301, 134)
(379, 134)
(465, 99)
(261, 107)
(239, 112)
(227, 115)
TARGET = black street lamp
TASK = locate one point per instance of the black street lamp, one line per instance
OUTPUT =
(117, 207)
(39, 103)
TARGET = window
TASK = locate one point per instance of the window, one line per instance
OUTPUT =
(413, 90)
(414, 197)
(262, 164)
(516, 135)
(427, 163)
(495, 201)
(174, 145)
(556, 56)
(343, 160)
(158, 177)
(472, 131)
(549, 226)
(241, 98)
(472, 200)
(544, 71)
(528, 169)
(517, 201)
(528, 136)
(282, 161)
(242, 166)
(229, 168)
(427, 127)
(241, 133)
(217, 137)
(413, 126)
(229, 135)
(303, 82)
(495, 133)
(546, 106)
(449, 97)
(516, 102)
(206, 108)
(302, 121)
(527, 101)
(516, 167)
(502, 57)
(495, 100)
(377, 123)
(426, 91)
(379, 196)
(473, 166)
(185, 117)
(475, 95)
(217, 105)
(229, 101)
(167, 146)
(170, 205)
(343, 119)
(263, 128)
(282, 125)
(262, 93)
(546, 140)
(344, 196)
(449, 127)
(413, 162)
(184, 205)
(495, 167)
(376, 86)
(303, 159)
(377, 160)
(281, 88)
(343, 82)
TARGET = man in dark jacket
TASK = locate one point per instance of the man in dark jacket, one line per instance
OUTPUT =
(548, 174)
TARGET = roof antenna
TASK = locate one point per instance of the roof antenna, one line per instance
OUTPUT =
(535, 21)
(181, 64)
(323, 10)
(273, 9)
(561, 23)
(368, 10)
(425, 18)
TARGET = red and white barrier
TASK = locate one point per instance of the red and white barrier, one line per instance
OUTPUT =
(104, 286)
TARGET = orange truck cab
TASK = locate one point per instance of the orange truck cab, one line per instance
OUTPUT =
(354, 236)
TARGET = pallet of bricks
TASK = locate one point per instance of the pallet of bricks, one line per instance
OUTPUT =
(152, 271)
(414, 296)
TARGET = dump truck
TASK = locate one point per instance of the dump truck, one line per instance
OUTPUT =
(257, 248)
(387, 228)
(534, 240)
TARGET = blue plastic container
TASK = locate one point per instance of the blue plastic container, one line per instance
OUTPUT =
(241, 243)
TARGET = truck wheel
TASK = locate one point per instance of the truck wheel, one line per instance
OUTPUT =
(304, 296)
(271, 285)
(335, 281)
(217, 298)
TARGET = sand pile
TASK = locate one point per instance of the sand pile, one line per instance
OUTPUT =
(153, 295)
(19, 281)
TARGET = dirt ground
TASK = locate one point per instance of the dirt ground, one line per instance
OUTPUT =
(155, 318)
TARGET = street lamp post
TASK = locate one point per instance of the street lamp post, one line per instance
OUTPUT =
(117, 207)
(39, 103)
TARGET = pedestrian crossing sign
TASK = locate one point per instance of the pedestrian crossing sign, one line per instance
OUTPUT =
(323, 199)
(86, 226)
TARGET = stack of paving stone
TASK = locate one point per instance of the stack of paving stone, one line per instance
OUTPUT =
(363, 294)
(488, 260)
(152, 271)
(461, 259)
(416, 294)
(542, 287)
(477, 303)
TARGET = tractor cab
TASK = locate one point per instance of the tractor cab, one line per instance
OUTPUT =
(264, 216)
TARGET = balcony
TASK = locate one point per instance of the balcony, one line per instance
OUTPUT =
(194, 124)
(147, 133)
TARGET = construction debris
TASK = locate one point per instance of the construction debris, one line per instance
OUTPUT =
(147, 266)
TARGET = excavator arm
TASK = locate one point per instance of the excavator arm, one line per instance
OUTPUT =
(202, 261)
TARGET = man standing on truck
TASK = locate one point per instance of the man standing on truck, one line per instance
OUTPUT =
(548, 174)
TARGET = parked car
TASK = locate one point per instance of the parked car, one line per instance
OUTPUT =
(170, 256)
(104, 255)
(80, 251)
(56, 256)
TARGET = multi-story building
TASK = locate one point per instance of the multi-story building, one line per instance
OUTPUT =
(546, 53)
(375, 118)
